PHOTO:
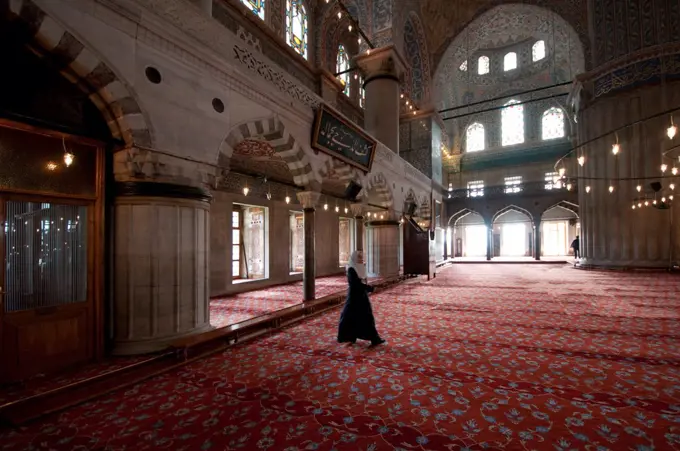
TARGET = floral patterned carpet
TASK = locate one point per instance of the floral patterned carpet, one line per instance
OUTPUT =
(240, 307)
(508, 357)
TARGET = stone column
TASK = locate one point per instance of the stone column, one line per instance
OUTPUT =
(382, 70)
(358, 212)
(160, 252)
(537, 239)
(489, 241)
(309, 199)
(382, 251)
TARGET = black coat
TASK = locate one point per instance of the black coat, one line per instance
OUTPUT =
(356, 320)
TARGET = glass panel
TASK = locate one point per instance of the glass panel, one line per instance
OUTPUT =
(342, 64)
(235, 268)
(36, 163)
(256, 6)
(297, 242)
(475, 137)
(510, 61)
(235, 252)
(463, 66)
(483, 65)
(296, 26)
(235, 237)
(538, 51)
(513, 184)
(45, 255)
(254, 242)
(553, 124)
(512, 118)
(235, 219)
(476, 189)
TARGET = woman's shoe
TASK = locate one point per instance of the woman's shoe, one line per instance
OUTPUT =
(377, 341)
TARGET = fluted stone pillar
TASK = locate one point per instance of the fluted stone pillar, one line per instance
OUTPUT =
(382, 70)
(309, 199)
(382, 250)
(160, 289)
(358, 212)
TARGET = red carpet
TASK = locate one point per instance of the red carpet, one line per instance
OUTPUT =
(240, 307)
(483, 357)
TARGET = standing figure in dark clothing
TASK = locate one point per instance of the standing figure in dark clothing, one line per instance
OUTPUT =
(576, 245)
(356, 320)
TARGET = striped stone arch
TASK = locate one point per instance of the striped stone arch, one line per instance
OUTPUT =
(377, 183)
(339, 170)
(454, 218)
(273, 131)
(48, 39)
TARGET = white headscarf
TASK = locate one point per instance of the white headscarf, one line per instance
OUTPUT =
(360, 268)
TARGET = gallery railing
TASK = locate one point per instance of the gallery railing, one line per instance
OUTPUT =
(529, 188)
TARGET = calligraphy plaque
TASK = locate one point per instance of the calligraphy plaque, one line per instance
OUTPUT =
(343, 140)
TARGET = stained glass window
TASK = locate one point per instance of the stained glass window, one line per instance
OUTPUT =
(513, 184)
(538, 51)
(463, 66)
(296, 26)
(476, 188)
(512, 119)
(483, 65)
(256, 6)
(362, 93)
(553, 123)
(342, 66)
(474, 137)
(510, 61)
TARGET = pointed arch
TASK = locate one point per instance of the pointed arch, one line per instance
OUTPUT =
(511, 208)
(454, 218)
(82, 66)
(274, 132)
(570, 206)
(553, 124)
(474, 138)
(417, 55)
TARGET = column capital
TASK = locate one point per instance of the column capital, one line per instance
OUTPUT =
(308, 199)
(358, 210)
(384, 62)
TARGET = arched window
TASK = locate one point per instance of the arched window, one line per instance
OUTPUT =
(553, 123)
(512, 123)
(510, 61)
(474, 138)
(296, 26)
(342, 64)
(538, 51)
(463, 66)
(483, 65)
(256, 6)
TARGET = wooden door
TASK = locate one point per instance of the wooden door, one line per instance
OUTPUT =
(46, 306)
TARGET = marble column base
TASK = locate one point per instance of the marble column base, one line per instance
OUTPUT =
(161, 277)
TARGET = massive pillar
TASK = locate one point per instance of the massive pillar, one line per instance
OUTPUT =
(537, 239)
(383, 68)
(382, 248)
(358, 212)
(309, 199)
(160, 259)
(489, 240)
(623, 101)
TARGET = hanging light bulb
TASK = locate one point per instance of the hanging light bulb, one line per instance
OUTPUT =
(561, 172)
(349, 27)
(672, 186)
(674, 170)
(339, 14)
(337, 209)
(654, 202)
(568, 186)
(51, 166)
(611, 188)
(68, 159)
(345, 210)
(664, 166)
(663, 199)
(402, 96)
(639, 204)
(670, 197)
(356, 76)
(325, 206)
(581, 160)
(269, 195)
(407, 102)
(616, 148)
(245, 190)
(287, 199)
(647, 203)
(359, 41)
(587, 189)
(672, 130)
(633, 206)
(638, 188)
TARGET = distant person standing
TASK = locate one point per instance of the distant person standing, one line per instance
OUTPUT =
(576, 245)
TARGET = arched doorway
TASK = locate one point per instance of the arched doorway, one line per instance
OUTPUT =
(559, 227)
(512, 233)
(52, 140)
(467, 235)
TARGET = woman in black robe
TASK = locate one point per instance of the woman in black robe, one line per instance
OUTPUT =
(356, 320)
